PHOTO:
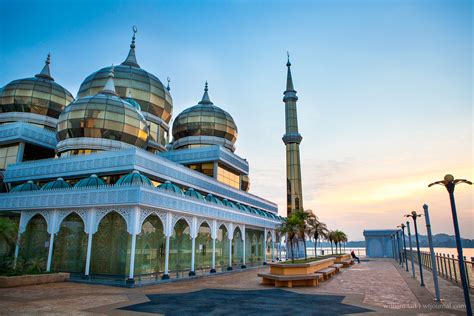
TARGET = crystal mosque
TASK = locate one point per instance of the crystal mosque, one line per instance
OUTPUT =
(100, 191)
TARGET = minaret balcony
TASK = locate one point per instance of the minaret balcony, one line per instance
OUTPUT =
(291, 138)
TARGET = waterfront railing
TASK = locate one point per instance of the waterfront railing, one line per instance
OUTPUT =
(447, 266)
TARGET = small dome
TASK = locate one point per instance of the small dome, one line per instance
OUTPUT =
(133, 178)
(59, 183)
(92, 181)
(38, 95)
(228, 203)
(168, 186)
(243, 208)
(211, 198)
(28, 186)
(253, 210)
(105, 116)
(194, 193)
(204, 124)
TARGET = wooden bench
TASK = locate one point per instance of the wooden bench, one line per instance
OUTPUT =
(337, 266)
(348, 262)
(290, 280)
(326, 273)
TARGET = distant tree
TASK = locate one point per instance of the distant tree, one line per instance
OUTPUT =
(301, 217)
(291, 228)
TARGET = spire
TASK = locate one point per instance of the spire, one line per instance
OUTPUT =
(168, 86)
(109, 87)
(205, 97)
(45, 72)
(289, 79)
(131, 58)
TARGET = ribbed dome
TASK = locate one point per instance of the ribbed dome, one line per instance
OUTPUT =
(59, 183)
(28, 186)
(133, 103)
(211, 198)
(204, 124)
(168, 186)
(104, 115)
(133, 178)
(38, 95)
(195, 194)
(92, 181)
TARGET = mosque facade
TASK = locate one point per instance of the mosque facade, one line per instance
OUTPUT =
(101, 192)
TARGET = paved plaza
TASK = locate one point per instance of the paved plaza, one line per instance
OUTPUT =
(372, 287)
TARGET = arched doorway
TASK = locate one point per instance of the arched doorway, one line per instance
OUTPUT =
(222, 248)
(150, 249)
(110, 247)
(203, 254)
(180, 249)
(34, 244)
(70, 246)
(237, 249)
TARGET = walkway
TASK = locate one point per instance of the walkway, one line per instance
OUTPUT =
(372, 287)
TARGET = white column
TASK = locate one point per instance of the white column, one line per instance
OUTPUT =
(213, 268)
(273, 245)
(132, 256)
(89, 250)
(134, 229)
(169, 218)
(265, 246)
(193, 251)
(230, 255)
(51, 231)
(50, 252)
(243, 247)
(167, 258)
(214, 237)
(17, 246)
(90, 230)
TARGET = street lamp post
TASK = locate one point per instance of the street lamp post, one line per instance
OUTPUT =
(415, 216)
(402, 226)
(434, 269)
(411, 250)
(449, 183)
(398, 248)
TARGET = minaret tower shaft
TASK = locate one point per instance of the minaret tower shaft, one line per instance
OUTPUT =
(292, 140)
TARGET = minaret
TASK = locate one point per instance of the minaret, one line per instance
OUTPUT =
(292, 140)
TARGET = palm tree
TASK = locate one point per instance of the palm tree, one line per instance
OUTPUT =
(344, 240)
(290, 228)
(316, 229)
(338, 238)
(301, 217)
(331, 237)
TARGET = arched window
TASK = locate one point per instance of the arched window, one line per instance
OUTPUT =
(70, 246)
(150, 249)
(203, 254)
(180, 249)
(237, 248)
(35, 244)
(110, 247)
(222, 248)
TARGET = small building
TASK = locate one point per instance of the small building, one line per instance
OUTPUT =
(382, 243)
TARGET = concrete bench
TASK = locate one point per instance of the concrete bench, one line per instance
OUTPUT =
(326, 273)
(337, 266)
(290, 280)
(348, 262)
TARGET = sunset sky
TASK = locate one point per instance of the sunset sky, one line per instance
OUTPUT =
(384, 87)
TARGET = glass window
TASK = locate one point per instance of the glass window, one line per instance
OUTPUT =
(8, 155)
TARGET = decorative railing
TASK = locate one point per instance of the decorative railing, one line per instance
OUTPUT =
(447, 266)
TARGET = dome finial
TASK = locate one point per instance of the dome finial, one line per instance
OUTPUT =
(45, 72)
(131, 58)
(289, 78)
(109, 87)
(168, 86)
(205, 97)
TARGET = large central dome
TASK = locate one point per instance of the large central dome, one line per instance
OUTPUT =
(204, 124)
(133, 81)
